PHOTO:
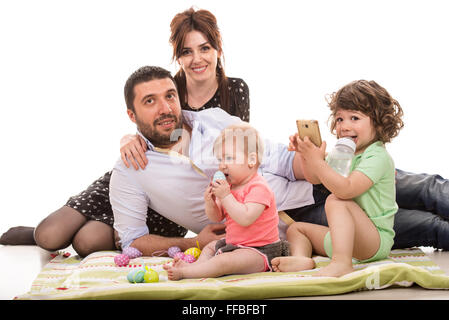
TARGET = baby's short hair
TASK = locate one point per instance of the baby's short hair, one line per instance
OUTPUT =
(241, 137)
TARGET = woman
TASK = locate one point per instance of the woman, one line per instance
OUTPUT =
(86, 220)
(201, 79)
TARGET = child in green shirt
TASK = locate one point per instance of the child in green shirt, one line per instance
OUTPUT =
(360, 211)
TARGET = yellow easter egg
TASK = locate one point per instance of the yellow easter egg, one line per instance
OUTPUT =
(151, 276)
(195, 252)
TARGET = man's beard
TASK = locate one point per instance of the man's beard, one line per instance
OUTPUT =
(157, 138)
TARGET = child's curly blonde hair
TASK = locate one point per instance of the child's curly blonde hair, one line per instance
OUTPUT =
(371, 99)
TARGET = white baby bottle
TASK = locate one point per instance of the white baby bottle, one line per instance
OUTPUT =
(340, 157)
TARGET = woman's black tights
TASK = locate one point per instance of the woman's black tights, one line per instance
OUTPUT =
(67, 226)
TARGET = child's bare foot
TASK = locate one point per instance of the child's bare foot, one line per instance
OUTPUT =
(173, 273)
(335, 269)
(292, 264)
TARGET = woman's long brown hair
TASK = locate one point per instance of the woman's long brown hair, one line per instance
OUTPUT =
(206, 23)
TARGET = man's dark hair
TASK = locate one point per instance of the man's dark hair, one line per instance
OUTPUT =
(143, 74)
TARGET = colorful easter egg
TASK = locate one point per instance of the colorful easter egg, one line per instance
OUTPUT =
(195, 252)
(189, 258)
(139, 276)
(132, 252)
(130, 276)
(136, 275)
(179, 255)
(172, 251)
(121, 260)
(218, 176)
(150, 276)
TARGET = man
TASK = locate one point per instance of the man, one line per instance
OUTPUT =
(181, 165)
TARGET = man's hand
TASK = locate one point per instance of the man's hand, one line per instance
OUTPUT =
(211, 232)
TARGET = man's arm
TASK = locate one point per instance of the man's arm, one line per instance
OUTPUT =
(129, 205)
(281, 161)
(150, 244)
(298, 168)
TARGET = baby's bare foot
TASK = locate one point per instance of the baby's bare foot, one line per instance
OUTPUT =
(173, 273)
(292, 264)
(178, 262)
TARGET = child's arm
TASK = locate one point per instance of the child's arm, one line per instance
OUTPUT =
(242, 213)
(213, 211)
(342, 187)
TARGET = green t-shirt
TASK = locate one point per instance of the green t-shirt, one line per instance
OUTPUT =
(379, 201)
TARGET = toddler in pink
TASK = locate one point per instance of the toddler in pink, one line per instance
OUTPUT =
(246, 203)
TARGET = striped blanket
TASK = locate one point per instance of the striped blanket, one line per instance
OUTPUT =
(97, 277)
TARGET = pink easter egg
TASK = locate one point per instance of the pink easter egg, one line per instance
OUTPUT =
(179, 255)
(121, 260)
(132, 252)
(189, 258)
(172, 251)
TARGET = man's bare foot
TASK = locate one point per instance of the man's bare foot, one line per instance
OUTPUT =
(335, 269)
(173, 273)
(292, 264)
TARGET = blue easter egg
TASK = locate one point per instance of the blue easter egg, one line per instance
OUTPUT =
(130, 276)
(136, 275)
(219, 176)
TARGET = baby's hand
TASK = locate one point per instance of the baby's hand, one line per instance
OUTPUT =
(221, 188)
(209, 197)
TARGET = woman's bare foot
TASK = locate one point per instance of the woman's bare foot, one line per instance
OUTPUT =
(292, 264)
(335, 269)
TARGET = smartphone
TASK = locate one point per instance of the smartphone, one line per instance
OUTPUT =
(311, 129)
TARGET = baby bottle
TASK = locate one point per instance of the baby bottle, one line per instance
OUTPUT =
(340, 157)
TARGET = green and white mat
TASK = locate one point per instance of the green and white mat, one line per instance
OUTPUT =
(97, 277)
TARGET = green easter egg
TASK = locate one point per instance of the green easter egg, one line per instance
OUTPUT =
(139, 276)
(136, 275)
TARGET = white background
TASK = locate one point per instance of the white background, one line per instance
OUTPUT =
(63, 65)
